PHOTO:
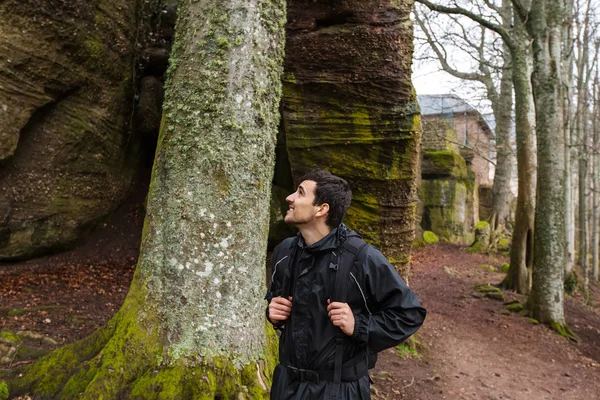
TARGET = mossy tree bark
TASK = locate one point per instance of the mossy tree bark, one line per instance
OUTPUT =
(192, 325)
(518, 277)
(544, 21)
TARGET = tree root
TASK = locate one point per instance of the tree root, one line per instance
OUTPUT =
(563, 330)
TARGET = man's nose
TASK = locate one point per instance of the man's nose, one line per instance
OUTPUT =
(290, 198)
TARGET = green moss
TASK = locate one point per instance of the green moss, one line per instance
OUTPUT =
(430, 237)
(482, 225)
(418, 243)
(514, 306)
(404, 350)
(17, 312)
(563, 330)
(444, 163)
(411, 348)
(477, 248)
(534, 321)
(488, 267)
(3, 391)
(30, 353)
(503, 244)
(10, 336)
(505, 267)
(489, 291)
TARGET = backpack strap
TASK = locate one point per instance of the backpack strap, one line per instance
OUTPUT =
(346, 257)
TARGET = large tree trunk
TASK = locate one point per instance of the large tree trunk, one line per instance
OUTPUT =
(521, 252)
(547, 295)
(192, 325)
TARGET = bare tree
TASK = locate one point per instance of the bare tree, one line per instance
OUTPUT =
(517, 41)
(477, 47)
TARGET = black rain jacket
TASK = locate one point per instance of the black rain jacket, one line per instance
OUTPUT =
(386, 312)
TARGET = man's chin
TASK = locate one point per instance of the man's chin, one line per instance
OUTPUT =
(290, 221)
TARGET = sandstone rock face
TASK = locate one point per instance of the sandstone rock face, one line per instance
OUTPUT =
(66, 72)
(449, 195)
(349, 107)
(447, 191)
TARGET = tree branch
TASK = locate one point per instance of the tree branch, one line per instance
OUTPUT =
(521, 11)
(500, 30)
(440, 53)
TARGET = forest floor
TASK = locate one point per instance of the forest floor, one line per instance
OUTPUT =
(471, 347)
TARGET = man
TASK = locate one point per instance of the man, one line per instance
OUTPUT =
(379, 310)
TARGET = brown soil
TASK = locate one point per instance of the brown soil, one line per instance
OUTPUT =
(474, 348)
(478, 350)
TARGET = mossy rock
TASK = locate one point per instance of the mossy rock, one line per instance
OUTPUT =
(505, 267)
(503, 244)
(514, 306)
(482, 226)
(430, 237)
(444, 163)
(489, 291)
(9, 337)
(477, 247)
(490, 268)
(447, 209)
(30, 353)
(67, 155)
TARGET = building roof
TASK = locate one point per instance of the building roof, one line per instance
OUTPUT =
(436, 104)
(450, 104)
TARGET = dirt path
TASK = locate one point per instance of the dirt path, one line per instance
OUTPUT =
(475, 349)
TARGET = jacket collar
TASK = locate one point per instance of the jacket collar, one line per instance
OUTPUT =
(331, 241)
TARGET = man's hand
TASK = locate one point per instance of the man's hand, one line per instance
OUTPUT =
(341, 315)
(279, 309)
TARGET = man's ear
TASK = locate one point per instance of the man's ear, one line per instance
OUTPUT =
(323, 210)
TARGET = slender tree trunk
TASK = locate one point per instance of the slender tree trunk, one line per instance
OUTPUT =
(547, 295)
(521, 252)
(596, 178)
(569, 256)
(583, 211)
(192, 325)
(582, 141)
(500, 211)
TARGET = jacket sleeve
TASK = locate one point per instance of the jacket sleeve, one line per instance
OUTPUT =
(395, 312)
(279, 275)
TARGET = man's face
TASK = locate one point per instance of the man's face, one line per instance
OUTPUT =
(302, 211)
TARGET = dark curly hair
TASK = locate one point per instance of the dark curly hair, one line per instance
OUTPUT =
(332, 190)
